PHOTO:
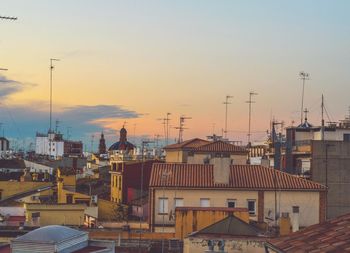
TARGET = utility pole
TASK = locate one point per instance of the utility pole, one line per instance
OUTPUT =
(303, 76)
(250, 112)
(226, 103)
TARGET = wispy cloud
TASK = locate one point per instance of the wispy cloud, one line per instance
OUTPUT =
(8, 87)
(82, 120)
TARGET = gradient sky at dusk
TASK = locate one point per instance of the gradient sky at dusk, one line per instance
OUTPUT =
(135, 61)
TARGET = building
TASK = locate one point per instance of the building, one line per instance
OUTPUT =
(126, 179)
(60, 239)
(330, 163)
(189, 220)
(295, 152)
(4, 145)
(178, 152)
(264, 191)
(123, 145)
(198, 151)
(230, 234)
(11, 169)
(330, 236)
(53, 145)
(102, 145)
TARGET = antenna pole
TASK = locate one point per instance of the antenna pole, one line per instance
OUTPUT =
(250, 113)
(167, 127)
(322, 122)
(226, 103)
(51, 69)
(303, 76)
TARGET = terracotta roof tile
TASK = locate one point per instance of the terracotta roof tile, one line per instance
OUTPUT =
(220, 146)
(241, 176)
(188, 144)
(330, 236)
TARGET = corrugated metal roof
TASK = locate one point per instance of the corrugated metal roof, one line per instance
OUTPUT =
(330, 236)
(50, 234)
(241, 177)
(189, 144)
(220, 146)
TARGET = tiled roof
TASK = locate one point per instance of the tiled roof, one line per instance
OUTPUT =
(241, 177)
(220, 146)
(189, 144)
(330, 236)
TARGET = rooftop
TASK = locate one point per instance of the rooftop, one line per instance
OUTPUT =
(189, 144)
(220, 146)
(330, 236)
(50, 234)
(12, 163)
(231, 226)
(240, 177)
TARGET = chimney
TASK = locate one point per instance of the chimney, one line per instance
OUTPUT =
(285, 224)
(221, 169)
(295, 218)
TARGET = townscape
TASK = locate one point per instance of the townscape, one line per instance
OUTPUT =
(287, 190)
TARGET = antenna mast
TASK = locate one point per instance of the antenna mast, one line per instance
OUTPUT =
(322, 121)
(226, 103)
(167, 119)
(181, 127)
(303, 76)
(51, 69)
(250, 102)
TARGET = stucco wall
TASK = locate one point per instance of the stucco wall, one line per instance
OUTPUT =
(307, 201)
(200, 245)
(175, 156)
(56, 214)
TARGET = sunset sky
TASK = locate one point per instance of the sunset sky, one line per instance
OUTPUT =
(135, 61)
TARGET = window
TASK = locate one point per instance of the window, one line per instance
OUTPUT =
(178, 202)
(114, 166)
(251, 206)
(205, 202)
(120, 183)
(231, 203)
(163, 206)
(346, 137)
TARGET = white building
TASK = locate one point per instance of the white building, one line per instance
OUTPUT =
(51, 144)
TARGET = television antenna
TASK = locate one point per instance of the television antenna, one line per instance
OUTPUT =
(226, 103)
(303, 76)
(250, 102)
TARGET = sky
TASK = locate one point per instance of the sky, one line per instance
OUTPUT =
(130, 62)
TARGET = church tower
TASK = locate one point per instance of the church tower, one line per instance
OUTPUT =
(102, 145)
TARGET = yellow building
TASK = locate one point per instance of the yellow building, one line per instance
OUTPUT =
(257, 188)
(11, 188)
(178, 152)
(55, 214)
(198, 151)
